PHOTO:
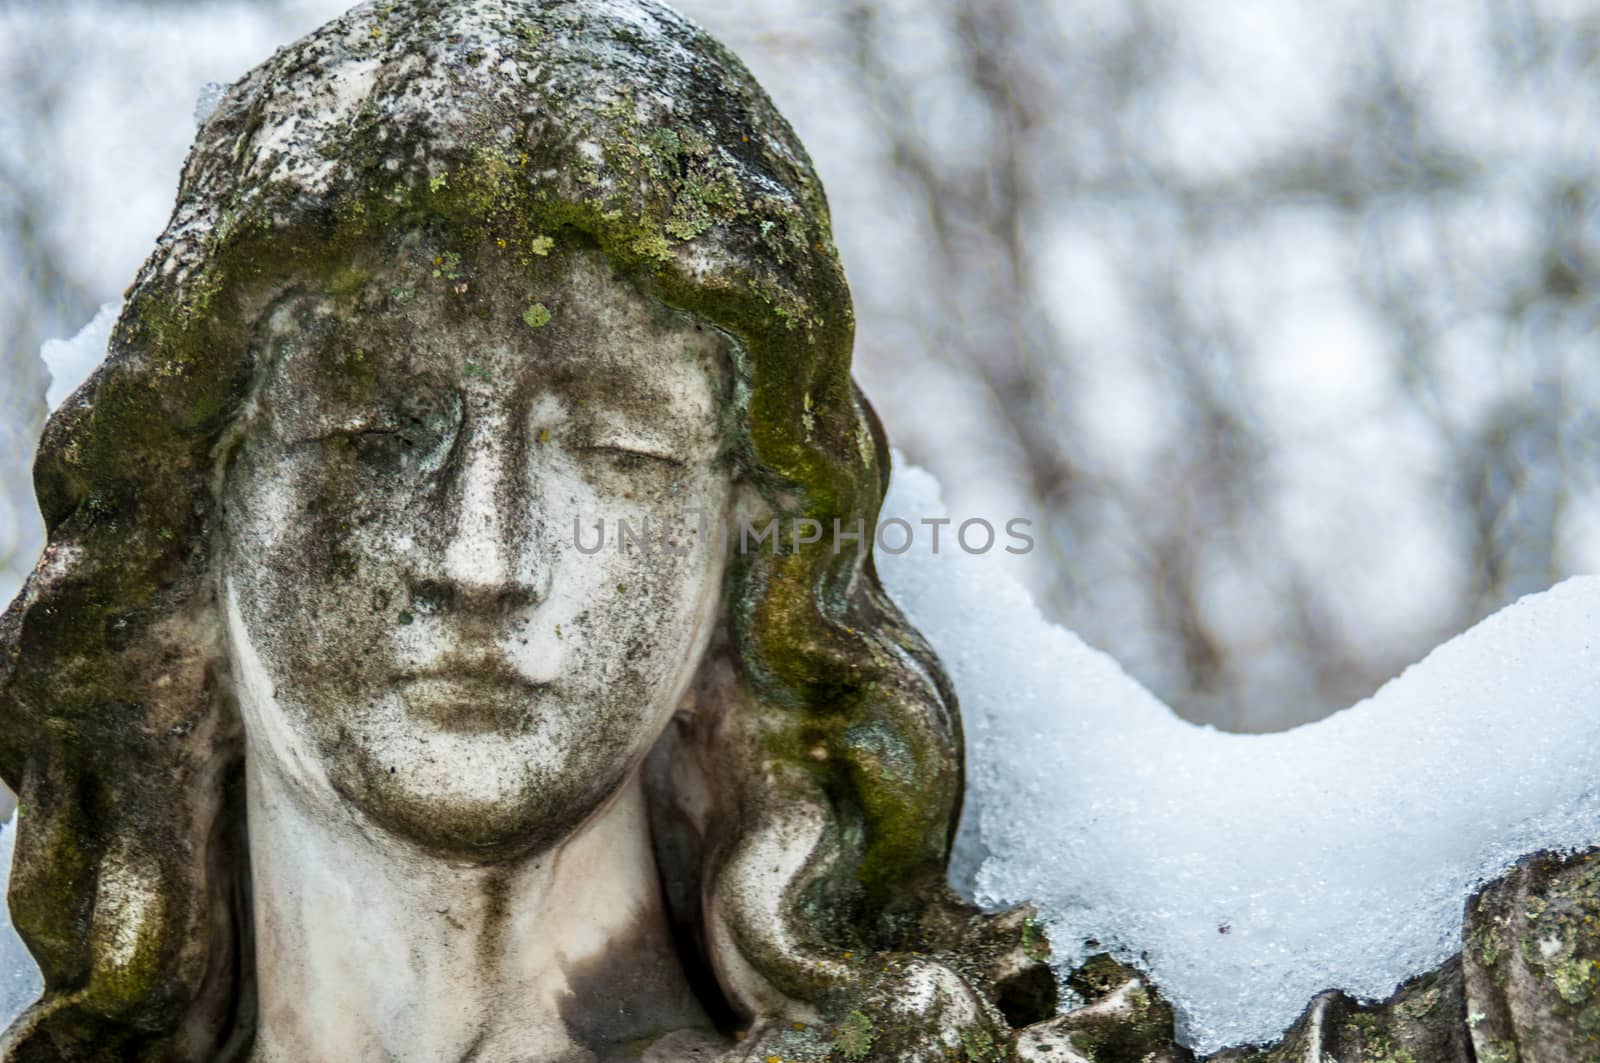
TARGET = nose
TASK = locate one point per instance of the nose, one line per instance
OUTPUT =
(491, 558)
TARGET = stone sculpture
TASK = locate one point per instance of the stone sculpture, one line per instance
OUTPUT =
(329, 723)
(339, 731)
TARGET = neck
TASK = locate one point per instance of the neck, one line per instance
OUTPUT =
(368, 948)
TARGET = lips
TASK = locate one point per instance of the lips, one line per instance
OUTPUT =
(471, 696)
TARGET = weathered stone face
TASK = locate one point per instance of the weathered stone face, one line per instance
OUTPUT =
(413, 625)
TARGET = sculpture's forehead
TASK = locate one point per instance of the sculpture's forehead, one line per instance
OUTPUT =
(582, 334)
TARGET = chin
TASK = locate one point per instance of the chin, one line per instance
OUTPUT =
(497, 806)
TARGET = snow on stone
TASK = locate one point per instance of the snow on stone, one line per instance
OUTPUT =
(207, 99)
(71, 361)
(1246, 873)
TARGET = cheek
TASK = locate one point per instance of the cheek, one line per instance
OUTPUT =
(313, 562)
(646, 604)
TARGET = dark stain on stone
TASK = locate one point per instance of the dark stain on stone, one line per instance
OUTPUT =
(496, 909)
(632, 994)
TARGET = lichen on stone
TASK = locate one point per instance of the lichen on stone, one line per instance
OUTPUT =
(537, 315)
(855, 1037)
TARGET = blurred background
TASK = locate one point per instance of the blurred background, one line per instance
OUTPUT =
(1278, 317)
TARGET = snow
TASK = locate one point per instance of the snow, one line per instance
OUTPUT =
(71, 361)
(1247, 873)
(206, 101)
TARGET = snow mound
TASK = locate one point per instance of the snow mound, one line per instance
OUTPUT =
(1246, 873)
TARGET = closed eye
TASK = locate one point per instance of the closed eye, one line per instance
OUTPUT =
(345, 429)
(632, 456)
(353, 432)
(406, 434)
(391, 443)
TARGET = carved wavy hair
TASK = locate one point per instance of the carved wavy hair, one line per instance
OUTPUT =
(615, 125)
